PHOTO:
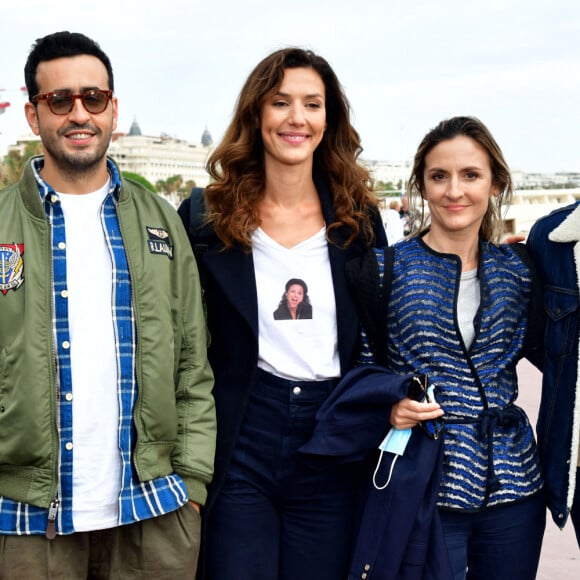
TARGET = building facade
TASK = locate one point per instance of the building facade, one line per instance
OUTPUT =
(395, 173)
(159, 158)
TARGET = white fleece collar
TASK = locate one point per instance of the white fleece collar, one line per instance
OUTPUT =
(569, 229)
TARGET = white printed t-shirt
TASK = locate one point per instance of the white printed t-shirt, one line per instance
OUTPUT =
(305, 347)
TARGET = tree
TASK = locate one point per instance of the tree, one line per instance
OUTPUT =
(189, 184)
(170, 185)
(139, 179)
(14, 162)
(174, 183)
(160, 186)
(382, 186)
(185, 189)
(174, 188)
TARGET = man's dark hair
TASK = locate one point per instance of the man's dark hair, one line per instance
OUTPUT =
(58, 45)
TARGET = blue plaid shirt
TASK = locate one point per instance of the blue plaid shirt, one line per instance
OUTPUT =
(137, 500)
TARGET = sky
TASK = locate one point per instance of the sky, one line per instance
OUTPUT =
(404, 65)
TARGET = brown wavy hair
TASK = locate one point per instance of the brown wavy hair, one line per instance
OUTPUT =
(491, 226)
(236, 166)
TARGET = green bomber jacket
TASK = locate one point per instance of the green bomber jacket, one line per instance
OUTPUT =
(174, 415)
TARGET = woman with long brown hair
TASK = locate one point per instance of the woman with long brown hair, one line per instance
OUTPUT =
(288, 200)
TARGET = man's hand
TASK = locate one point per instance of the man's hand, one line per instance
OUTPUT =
(195, 505)
(514, 239)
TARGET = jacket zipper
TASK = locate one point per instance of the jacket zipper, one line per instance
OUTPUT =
(53, 508)
(51, 526)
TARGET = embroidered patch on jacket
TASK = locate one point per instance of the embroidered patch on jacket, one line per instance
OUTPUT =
(11, 267)
(159, 242)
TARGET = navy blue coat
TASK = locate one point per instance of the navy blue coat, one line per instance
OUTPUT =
(229, 285)
(555, 245)
(399, 536)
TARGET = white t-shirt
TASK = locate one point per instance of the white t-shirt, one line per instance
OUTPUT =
(96, 459)
(297, 325)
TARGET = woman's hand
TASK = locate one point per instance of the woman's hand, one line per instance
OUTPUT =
(407, 413)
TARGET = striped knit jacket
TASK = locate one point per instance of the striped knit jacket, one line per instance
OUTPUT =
(490, 454)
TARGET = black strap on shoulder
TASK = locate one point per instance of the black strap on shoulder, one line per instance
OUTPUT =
(196, 220)
(196, 210)
(371, 298)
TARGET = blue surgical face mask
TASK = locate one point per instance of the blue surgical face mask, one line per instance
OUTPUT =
(395, 442)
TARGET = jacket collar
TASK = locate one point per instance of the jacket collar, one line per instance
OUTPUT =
(569, 229)
(34, 189)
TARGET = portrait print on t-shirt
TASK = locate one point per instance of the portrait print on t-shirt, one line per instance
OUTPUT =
(295, 302)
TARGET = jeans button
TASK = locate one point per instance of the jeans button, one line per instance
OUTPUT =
(296, 390)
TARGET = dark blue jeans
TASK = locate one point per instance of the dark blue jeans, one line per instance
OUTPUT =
(499, 543)
(278, 517)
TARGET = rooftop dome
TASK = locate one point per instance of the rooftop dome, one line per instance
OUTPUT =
(206, 139)
(135, 130)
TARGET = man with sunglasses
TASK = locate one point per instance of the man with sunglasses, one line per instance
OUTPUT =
(107, 424)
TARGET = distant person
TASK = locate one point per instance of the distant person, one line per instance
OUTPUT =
(295, 303)
(107, 422)
(555, 245)
(405, 215)
(286, 188)
(463, 309)
(394, 225)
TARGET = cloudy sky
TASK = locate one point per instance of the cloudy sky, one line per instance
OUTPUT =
(404, 64)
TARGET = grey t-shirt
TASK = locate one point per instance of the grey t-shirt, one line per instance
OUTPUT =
(467, 305)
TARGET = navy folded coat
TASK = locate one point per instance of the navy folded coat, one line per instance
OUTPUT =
(399, 534)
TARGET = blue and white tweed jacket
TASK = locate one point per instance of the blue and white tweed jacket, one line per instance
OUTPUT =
(490, 455)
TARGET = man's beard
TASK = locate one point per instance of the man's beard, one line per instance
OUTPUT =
(79, 162)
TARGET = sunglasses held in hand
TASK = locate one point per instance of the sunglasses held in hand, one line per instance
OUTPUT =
(419, 391)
